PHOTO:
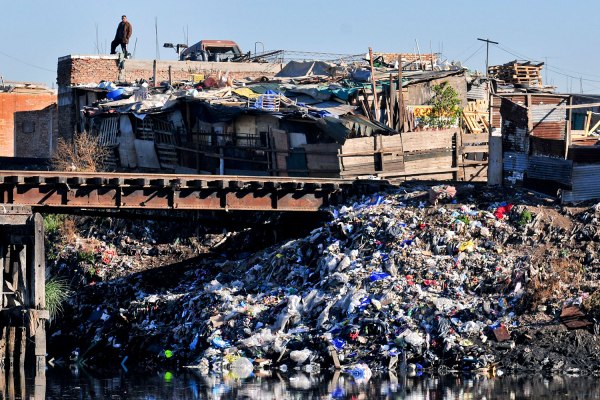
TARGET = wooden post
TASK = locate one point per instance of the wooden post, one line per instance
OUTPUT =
(495, 157)
(392, 103)
(39, 294)
(458, 157)
(374, 84)
(170, 77)
(39, 390)
(154, 73)
(588, 121)
(10, 346)
(10, 387)
(3, 335)
(400, 96)
(20, 373)
(367, 106)
(568, 132)
(529, 115)
(3, 255)
(21, 344)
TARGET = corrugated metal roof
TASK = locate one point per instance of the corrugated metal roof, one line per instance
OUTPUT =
(548, 168)
(477, 93)
(586, 185)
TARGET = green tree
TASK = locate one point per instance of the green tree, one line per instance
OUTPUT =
(445, 108)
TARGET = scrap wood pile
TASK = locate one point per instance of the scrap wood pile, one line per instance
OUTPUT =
(476, 116)
(423, 278)
(516, 72)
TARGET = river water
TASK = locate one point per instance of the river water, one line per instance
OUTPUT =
(77, 383)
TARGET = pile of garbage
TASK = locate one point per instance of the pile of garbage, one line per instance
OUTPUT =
(417, 278)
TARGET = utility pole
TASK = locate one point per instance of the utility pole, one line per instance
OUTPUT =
(487, 52)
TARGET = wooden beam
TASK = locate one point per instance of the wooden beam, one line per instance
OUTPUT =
(568, 134)
(374, 83)
(400, 97)
(39, 289)
(575, 106)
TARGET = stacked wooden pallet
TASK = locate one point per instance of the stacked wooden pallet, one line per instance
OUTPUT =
(476, 117)
(515, 72)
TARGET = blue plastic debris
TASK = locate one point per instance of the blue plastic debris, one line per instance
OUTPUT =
(220, 343)
(339, 343)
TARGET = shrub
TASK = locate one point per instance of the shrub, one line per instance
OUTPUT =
(85, 153)
(57, 292)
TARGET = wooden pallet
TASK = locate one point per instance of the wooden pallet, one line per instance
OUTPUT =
(518, 72)
(476, 117)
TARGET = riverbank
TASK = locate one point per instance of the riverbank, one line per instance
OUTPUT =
(419, 277)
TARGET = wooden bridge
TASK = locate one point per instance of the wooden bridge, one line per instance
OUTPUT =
(24, 195)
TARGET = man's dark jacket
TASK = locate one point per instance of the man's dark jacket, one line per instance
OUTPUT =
(124, 31)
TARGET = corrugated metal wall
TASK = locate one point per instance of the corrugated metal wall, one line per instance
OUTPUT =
(514, 165)
(551, 169)
(514, 138)
(585, 184)
(549, 121)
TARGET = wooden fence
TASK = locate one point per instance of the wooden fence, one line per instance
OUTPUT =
(444, 154)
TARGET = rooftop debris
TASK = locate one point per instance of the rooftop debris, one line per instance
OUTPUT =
(518, 73)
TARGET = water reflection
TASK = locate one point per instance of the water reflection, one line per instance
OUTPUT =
(59, 383)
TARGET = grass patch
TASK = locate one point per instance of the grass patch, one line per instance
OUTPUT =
(57, 292)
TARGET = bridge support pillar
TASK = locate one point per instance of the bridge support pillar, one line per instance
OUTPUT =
(23, 311)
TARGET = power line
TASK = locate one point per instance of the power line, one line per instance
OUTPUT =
(465, 51)
(476, 51)
(556, 70)
(26, 63)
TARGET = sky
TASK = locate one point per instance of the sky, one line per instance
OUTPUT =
(35, 33)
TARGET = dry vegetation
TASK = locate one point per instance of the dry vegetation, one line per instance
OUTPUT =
(556, 279)
(84, 153)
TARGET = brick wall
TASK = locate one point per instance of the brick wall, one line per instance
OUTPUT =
(36, 132)
(80, 70)
(14, 102)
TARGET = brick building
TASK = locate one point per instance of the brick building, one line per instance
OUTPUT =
(28, 120)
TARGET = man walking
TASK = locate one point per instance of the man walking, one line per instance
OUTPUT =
(122, 36)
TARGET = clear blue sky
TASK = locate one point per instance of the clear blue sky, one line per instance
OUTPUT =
(36, 33)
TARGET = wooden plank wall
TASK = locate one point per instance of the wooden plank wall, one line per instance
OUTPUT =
(322, 160)
(281, 144)
(357, 156)
(474, 156)
(429, 152)
(444, 154)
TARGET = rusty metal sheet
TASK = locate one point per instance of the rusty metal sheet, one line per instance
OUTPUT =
(293, 201)
(573, 318)
(89, 197)
(145, 198)
(549, 99)
(196, 199)
(165, 191)
(501, 333)
(248, 201)
(549, 130)
(37, 195)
